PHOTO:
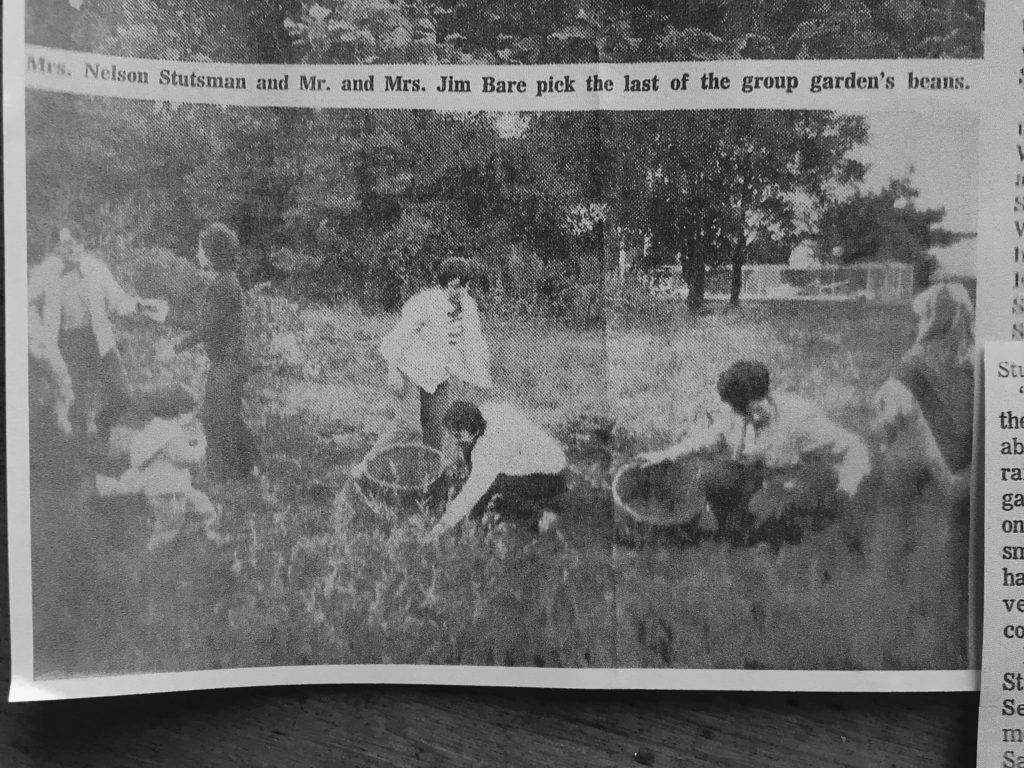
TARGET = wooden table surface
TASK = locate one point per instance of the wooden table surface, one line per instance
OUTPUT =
(408, 726)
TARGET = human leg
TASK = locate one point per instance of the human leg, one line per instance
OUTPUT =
(49, 362)
(117, 393)
(524, 499)
(794, 501)
(230, 447)
(81, 356)
(432, 409)
(729, 486)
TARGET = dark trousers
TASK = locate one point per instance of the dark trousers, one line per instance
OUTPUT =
(95, 377)
(433, 406)
(729, 487)
(522, 495)
(230, 448)
(752, 503)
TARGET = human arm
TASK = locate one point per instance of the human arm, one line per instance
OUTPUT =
(481, 478)
(220, 312)
(117, 299)
(41, 278)
(701, 440)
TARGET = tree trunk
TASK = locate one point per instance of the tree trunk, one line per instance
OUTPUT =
(738, 259)
(697, 276)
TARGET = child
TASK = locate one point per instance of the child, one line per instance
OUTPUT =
(161, 452)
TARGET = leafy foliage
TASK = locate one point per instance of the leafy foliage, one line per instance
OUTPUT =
(885, 225)
(464, 31)
(366, 203)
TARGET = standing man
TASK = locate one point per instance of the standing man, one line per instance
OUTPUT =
(77, 294)
(514, 465)
(439, 346)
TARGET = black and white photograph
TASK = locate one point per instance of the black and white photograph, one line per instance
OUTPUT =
(681, 390)
(549, 32)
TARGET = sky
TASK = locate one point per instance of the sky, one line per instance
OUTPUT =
(942, 148)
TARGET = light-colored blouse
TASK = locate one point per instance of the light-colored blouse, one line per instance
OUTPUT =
(436, 339)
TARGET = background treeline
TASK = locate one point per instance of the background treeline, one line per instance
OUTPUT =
(365, 203)
(503, 31)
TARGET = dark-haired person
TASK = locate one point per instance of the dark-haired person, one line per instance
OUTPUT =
(76, 295)
(231, 452)
(439, 346)
(513, 462)
(757, 436)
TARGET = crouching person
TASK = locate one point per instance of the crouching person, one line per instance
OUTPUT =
(516, 469)
(161, 453)
(775, 460)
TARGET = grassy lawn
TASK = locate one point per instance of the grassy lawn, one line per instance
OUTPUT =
(300, 581)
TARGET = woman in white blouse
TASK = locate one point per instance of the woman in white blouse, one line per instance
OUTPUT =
(439, 347)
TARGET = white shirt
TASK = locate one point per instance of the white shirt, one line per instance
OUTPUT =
(798, 428)
(510, 445)
(99, 294)
(433, 341)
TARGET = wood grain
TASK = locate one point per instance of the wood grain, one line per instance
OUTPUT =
(459, 727)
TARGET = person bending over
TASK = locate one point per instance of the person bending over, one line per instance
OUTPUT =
(512, 462)
(758, 438)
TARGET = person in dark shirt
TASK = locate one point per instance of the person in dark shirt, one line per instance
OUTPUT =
(231, 451)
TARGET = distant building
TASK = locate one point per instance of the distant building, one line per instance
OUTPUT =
(876, 281)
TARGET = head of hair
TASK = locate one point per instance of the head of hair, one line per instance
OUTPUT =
(743, 383)
(455, 267)
(464, 416)
(166, 402)
(945, 323)
(220, 244)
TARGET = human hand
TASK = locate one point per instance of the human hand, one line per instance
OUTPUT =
(652, 457)
(433, 534)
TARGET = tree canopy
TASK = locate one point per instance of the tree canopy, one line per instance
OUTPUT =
(885, 225)
(463, 31)
(367, 202)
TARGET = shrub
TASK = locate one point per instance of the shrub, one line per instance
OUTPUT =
(161, 273)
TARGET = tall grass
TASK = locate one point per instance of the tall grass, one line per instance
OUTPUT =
(302, 582)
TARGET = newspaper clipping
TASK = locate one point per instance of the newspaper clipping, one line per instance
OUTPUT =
(584, 344)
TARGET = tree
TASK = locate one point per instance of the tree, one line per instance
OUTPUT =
(886, 225)
(465, 31)
(711, 179)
